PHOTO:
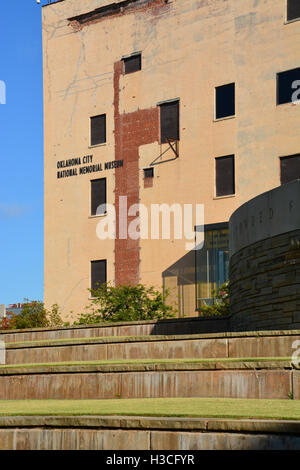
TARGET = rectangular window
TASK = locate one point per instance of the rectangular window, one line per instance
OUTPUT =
(169, 121)
(212, 263)
(293, 10)
(98, 129)
(98, 273)
(225, 176)
(98, 196)
(225, 101)
(289, 168)
(287, 85)
(148, 172)
(132, 63)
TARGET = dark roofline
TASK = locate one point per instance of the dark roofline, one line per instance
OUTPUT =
(106, 10)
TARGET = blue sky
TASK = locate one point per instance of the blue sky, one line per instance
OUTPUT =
(21, 152)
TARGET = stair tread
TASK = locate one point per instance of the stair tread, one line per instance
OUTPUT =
(211, 413)
(150, 364)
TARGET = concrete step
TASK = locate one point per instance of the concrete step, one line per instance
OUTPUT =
(220, 345)
(273, 378)
(175, 326)
(147, 433)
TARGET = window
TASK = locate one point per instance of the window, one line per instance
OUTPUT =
(289, 168)
(98, 197)
(225, 178)
(98, 273)
(169, 121)
(132, 63)
(225, 101)
(293, 10)
(148, 172)
(212, 263)
(287, 85)
(98, 129)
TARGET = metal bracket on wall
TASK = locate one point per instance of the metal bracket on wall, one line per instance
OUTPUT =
(174, 146)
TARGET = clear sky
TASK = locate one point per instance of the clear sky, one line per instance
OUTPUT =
(21, 152)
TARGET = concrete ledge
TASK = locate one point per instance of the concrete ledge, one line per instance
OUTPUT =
(272, 380)
(161, 423)
(115, 433)
(146, 367)
(173, 326)
(222, 345)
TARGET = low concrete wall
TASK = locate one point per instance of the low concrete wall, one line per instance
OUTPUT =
(220, 345)
(124, 433)
(158, 380)
(176, 326)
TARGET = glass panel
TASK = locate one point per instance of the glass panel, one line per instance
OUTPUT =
(212, 265)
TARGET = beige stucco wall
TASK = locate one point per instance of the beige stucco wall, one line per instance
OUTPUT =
(188, 48)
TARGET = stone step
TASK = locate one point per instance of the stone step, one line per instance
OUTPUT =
(174, 326)
(221, 345)
(274, 378)
(147, 433)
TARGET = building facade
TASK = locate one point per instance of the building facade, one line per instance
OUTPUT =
(150, 102)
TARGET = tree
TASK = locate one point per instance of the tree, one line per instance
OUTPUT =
(126, 303)
(32, 315)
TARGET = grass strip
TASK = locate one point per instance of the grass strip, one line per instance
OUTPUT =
(158, 407)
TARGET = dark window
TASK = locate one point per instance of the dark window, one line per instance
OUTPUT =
(225, 184)
(148, 172)
(293, 9)
(98, 273)
(225, 101)
(286, 86)
(132, 63)
(98, 196)
(98, 129)
(289, 168)
(169, 121)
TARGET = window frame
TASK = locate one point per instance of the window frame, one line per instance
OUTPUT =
(132, 56)
(218, 226)
(91, 272)
(234, 176)
(100, 143)
(230, 116)
(287, 21)
(282, 158)
(165, 103)
(147, 171)
(91, 198)
(277, 87)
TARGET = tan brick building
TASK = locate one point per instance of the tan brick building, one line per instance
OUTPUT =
(165, 102)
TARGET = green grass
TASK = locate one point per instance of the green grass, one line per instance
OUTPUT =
(168, 407)
(147, 361)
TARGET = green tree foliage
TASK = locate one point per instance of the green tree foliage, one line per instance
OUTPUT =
(33, 315)
(126, 303)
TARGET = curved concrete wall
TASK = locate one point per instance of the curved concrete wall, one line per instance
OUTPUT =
(265, 261)
(267, 215)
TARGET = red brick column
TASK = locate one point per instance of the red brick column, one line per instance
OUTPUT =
(131, 131)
